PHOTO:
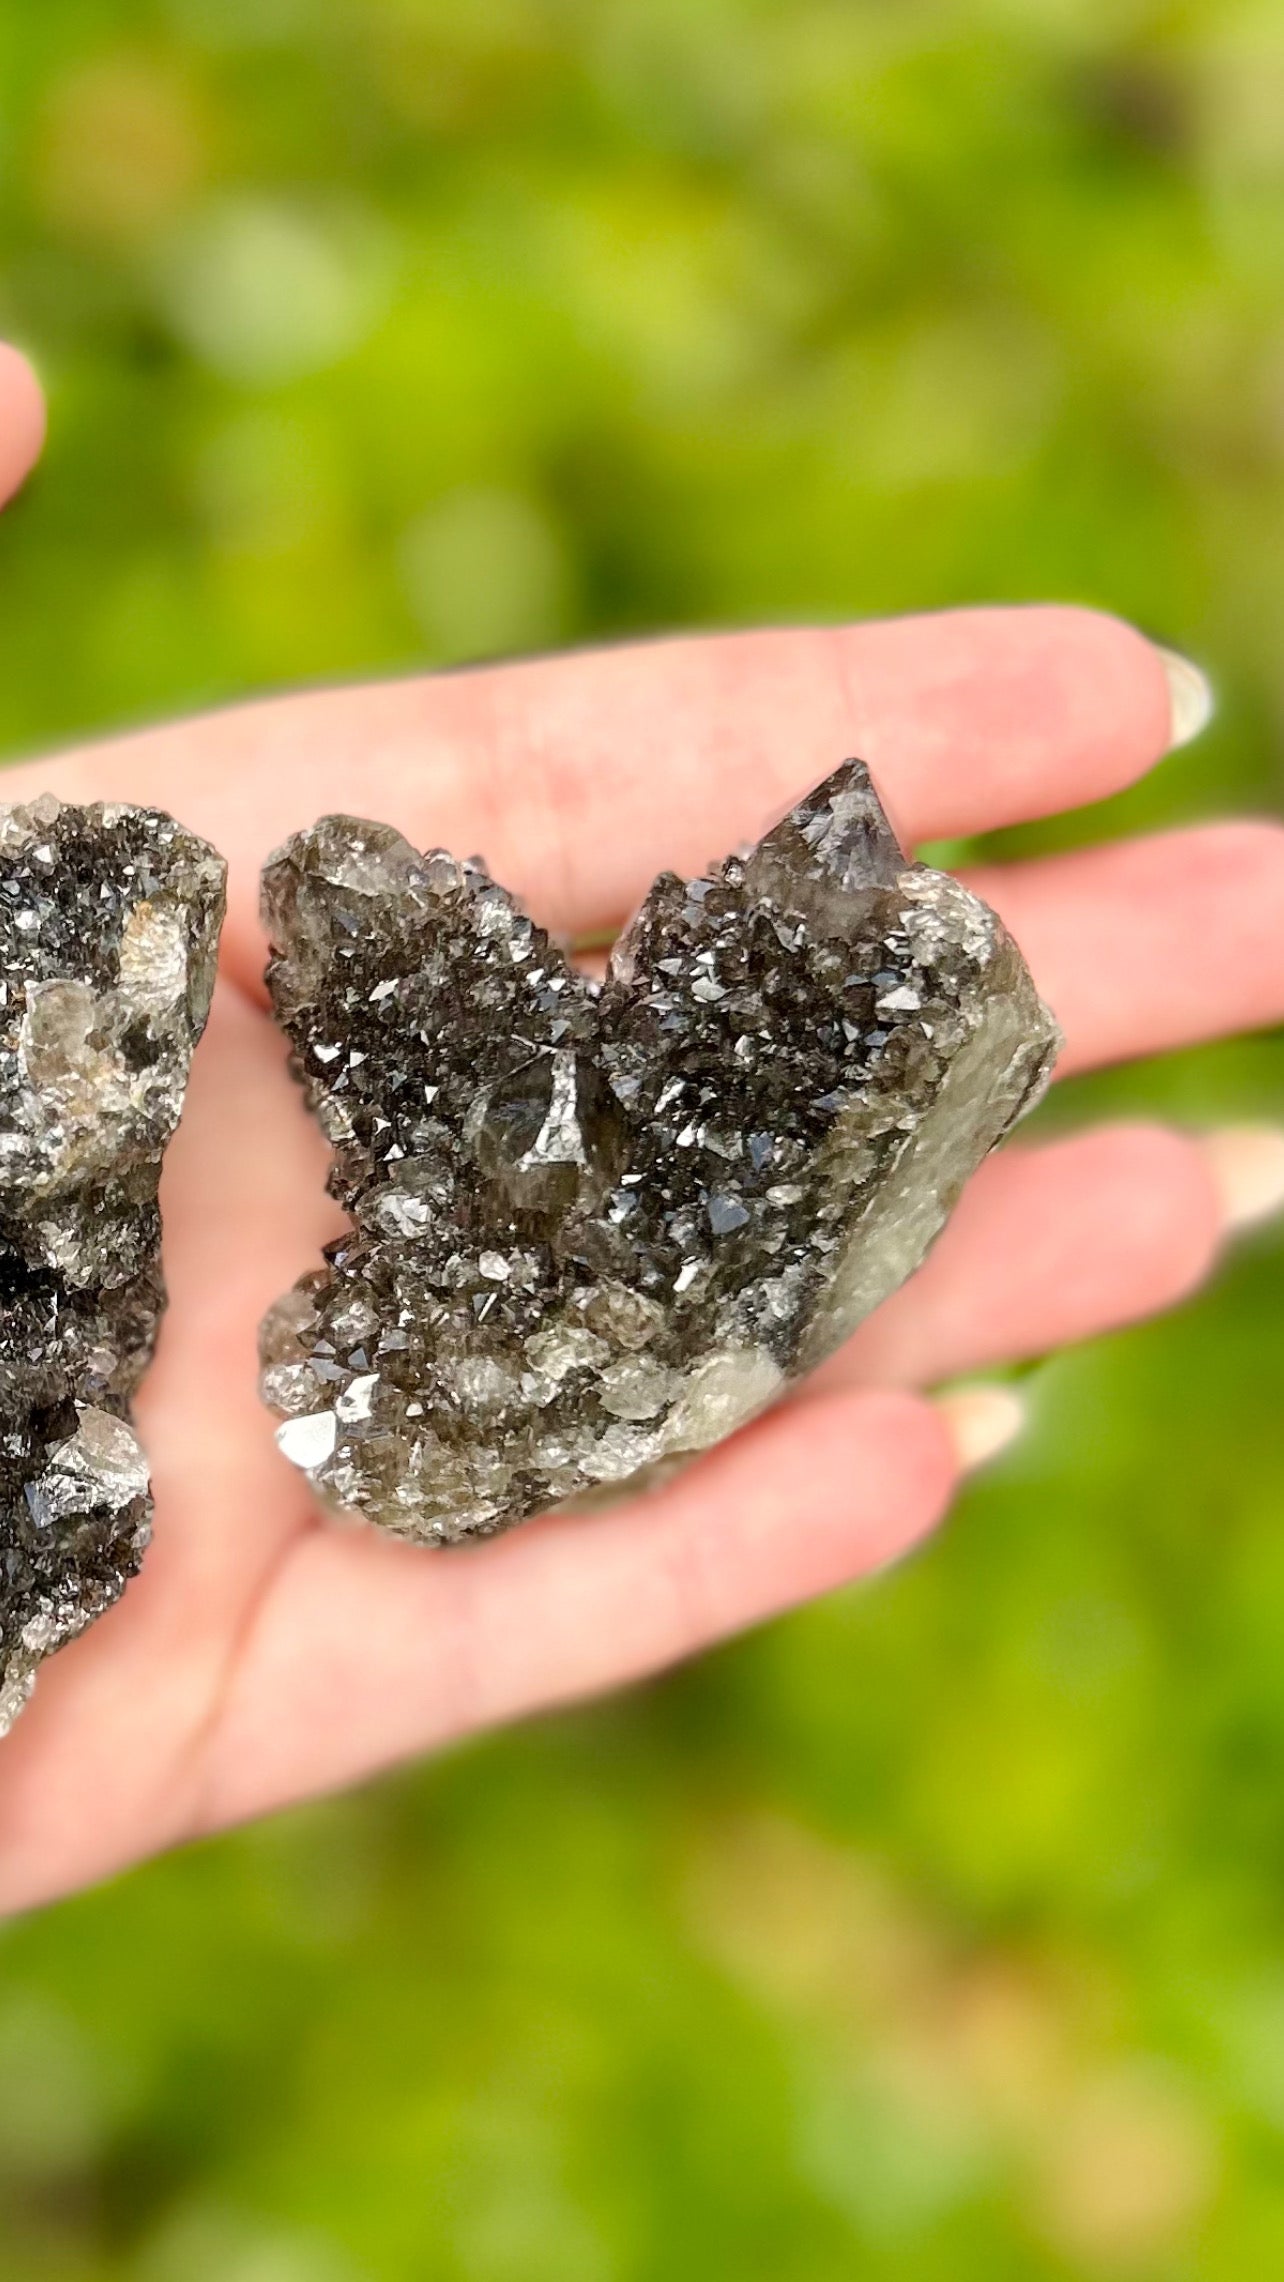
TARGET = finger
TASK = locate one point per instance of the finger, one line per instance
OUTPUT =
(1144, 945)
(1048, 1246)
(22, 419)
(579, 777)
(365, 1650)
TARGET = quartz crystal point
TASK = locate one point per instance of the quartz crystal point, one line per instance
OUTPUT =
(595, 1227)
(109, 924)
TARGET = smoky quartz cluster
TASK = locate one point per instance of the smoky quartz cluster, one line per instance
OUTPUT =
(109, 924)
(596, 1226)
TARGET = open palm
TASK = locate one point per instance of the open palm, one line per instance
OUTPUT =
(266, 1654)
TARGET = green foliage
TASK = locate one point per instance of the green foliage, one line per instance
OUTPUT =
(936, 1932)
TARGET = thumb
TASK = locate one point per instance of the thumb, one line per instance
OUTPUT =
(22, 419)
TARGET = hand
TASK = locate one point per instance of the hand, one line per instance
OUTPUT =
(265, 1653)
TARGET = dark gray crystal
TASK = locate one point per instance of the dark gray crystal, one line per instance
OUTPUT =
(109, 924)
(595, 1227)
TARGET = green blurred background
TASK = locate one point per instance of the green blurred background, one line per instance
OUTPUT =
(937, 1933)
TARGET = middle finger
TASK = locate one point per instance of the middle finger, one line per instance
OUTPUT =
(1140, 946)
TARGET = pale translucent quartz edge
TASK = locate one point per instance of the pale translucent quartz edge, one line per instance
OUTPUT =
(109, 928)
(997, 1077)
(620, 1220)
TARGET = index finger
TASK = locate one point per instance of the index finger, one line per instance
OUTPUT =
(580, 776)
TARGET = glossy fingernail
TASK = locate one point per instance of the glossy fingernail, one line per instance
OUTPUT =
(1248, 1167)
(982, 1420)
(1190, 698)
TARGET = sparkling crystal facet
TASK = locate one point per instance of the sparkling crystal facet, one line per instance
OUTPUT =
(109, 922)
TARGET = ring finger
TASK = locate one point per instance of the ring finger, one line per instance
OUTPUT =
(1061, 1243)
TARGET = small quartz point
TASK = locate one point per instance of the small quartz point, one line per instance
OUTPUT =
(109, 924)
(595, 1227)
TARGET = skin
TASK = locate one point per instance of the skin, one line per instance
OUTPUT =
(265, 1655)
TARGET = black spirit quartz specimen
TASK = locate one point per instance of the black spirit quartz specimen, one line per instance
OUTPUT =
(595, 1227)
(109, 924)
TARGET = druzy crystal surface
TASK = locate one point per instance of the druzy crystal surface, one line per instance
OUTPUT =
(109, 922)
(596, 1226)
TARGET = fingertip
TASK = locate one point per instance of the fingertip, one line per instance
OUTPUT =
(1109, 701)
(1172, 1215)
(1135, 1224)
(903, 1452)
(989, 716)
(22, 418)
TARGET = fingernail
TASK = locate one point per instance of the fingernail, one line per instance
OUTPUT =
(1190, 698)
(981, 1422)
(1248, 1167)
